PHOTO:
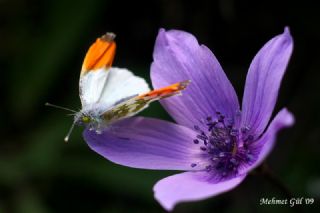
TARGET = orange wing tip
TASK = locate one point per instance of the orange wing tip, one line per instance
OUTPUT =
(100, 54)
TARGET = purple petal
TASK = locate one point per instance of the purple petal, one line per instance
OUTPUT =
(190, 186)
(147, 143)
(177, 57)
(263, 82)
(265, 144)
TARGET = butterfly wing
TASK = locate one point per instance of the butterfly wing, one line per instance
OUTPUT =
(100, 54)
(105, 85)
(95, 68)
(136, 104)
(121, 84)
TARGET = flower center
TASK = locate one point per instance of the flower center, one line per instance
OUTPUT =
(225, 147)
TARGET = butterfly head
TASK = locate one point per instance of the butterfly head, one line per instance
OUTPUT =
(85, 119)
(82, 119)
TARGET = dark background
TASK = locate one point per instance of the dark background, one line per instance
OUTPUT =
(42, 46)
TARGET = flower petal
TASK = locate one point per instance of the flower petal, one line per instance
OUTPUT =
(265, 144)
(190, 186)
(147, 143)
(263, 82)
(177, 57)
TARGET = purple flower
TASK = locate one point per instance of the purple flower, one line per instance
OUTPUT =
(214, 142)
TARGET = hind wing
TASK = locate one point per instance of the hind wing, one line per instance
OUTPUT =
(138, 103)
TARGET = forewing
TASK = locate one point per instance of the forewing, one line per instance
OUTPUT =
(100, 54)
(120, 85)
(91, 86)
(95, 69)
(138, 103)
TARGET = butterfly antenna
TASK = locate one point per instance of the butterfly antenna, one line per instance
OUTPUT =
(59, 107)
(66, 139)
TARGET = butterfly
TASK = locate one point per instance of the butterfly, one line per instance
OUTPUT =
(109, 94)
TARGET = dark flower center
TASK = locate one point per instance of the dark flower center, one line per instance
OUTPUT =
(225, 148)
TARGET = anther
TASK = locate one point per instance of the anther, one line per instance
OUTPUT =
(208, 168)
(221, 154)
(230, 121)
(234, 132)
(212, 125)
(203, 148)
(193, 165)
(202, 137)
(221, 118)
(233, 161)
(227, 141)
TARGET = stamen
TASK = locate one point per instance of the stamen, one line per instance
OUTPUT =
(193, 165)
(245, 129)
(221, 119)
(234, 132)
(214, 158)
(208, 168)
(203, 148)
(196, 127)
(227, 146)
(233, 161)
(202, 137)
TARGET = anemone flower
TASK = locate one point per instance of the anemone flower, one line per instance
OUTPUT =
(214, 142)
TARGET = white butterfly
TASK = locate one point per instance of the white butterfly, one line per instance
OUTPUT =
(109, 94)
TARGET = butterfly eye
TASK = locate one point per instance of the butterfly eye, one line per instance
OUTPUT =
(85, 119)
